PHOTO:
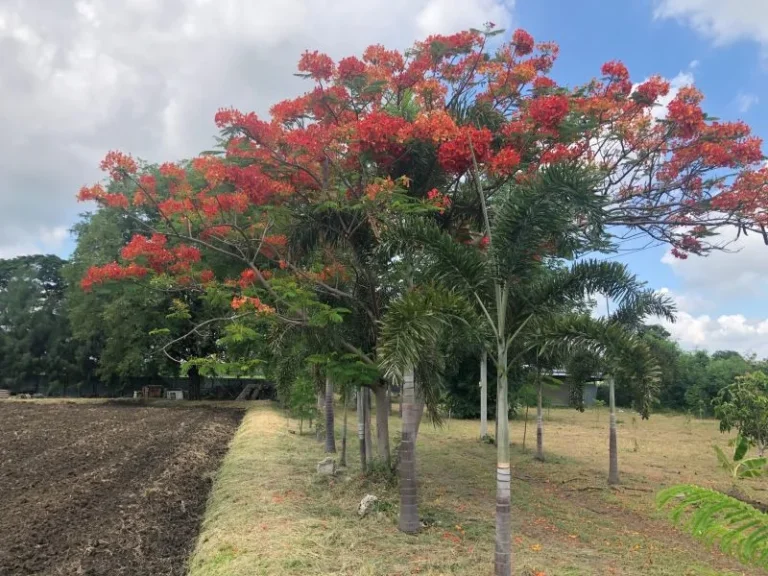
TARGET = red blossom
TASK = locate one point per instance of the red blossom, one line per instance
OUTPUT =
(456, 155)
(543, 83)
(118, 165)
(350, 68)
(505, 162)
(207, 276)
(523, 42)
(549, 111)
(319, 66)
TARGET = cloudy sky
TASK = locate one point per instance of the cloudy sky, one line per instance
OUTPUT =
(78, 78)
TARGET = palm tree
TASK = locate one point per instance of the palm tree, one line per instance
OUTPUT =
(515, 290)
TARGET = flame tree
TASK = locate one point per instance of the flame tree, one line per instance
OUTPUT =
(297, 203)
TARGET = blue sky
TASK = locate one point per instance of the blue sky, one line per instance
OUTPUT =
(146, 76)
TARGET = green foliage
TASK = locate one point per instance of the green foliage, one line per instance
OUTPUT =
(714, 517)
(743, 405)
(739, 467)
(302, 399)
(35, 340)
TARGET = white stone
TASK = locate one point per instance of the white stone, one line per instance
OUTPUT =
(327, 467)
(366, 504)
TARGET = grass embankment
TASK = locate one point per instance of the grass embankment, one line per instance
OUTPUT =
(270, 514)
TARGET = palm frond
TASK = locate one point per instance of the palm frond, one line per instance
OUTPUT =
(629, 355)
(738, 528)
(414, 325)
(546, 210)
(458, 267)
(637, 306)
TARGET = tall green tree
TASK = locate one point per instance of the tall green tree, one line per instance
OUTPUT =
(35, 341)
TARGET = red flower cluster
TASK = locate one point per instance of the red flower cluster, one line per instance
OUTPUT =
(239, 302)
(549, 111)
(685, 113)
(319, 66)
(505, 162)
(618, 78)
(118, 165)
(440, 201)
(350, 68)
(523, 42)
(112, 271)
(455, 155)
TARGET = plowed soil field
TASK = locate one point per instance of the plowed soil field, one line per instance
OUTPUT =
(112, 489)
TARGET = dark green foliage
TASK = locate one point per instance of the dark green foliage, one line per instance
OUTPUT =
(36, 348)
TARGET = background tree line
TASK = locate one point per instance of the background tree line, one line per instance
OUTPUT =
(55, 336)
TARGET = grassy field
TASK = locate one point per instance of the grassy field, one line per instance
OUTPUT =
(270, 513)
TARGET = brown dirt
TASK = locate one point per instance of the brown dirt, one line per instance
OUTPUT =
(98, 489)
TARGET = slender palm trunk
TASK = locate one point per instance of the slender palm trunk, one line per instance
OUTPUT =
(525, 426)
(409, 512)
(361, 429)
(330, 435)
(367, 413)
(503, 562)
(539, 425)
(484, 394)
(343, 459)
(613, 447)
(320, 410)
(382, 424)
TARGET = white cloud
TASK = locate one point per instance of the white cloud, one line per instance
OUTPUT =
(722, 21)
(744, 101)
(147, 76)
(723, 332)
(739, 270)
(713, 291)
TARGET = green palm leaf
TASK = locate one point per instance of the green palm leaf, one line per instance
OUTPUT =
(714, 517)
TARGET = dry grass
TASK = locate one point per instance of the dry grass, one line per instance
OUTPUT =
(270, 514)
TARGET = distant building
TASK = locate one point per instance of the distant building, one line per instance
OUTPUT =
(559, 396)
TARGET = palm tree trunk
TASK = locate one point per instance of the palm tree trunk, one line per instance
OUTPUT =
(320, 409)
(525, 426)
(361, 429)
(484, 394)
(367, 413)
(409, 512)
(343, 459)
(613, 447)
(503, 562)
(382, 424)
(330, 436)
(539, 425)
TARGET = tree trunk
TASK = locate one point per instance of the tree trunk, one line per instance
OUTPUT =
(361, 429)
(503, 564)
(367, 413)
(525, 426)
(320, 410)
(409, 512)
(539, 426)
(389, 401)
(330, 434)
(613, 447)
(194, 383)
(382, 424)
(343, 459)
(484, 394)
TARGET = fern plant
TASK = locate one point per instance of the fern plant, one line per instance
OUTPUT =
(716, 518)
